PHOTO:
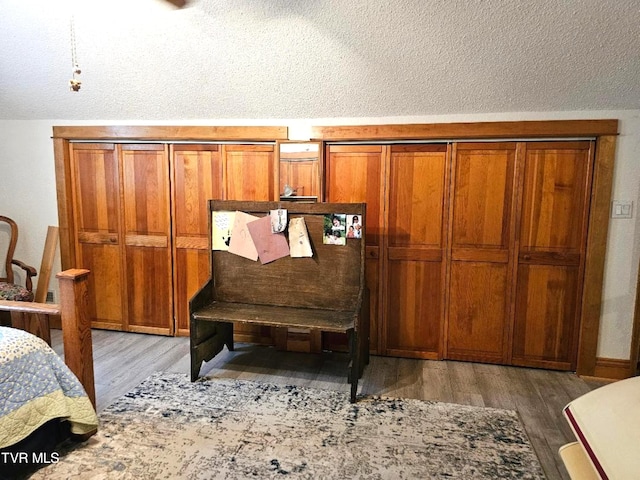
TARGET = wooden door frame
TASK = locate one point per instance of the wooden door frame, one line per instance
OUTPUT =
(603, 131)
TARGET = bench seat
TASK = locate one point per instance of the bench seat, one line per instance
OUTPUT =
(277, 316)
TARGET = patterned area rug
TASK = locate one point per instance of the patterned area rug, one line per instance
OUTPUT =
(170, 428)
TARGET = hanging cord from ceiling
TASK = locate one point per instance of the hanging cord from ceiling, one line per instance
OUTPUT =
(74, 83)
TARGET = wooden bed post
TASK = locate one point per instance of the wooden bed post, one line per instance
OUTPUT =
(76, 327)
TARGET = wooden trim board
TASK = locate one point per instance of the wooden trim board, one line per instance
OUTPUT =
(170, 133)
(475, 130)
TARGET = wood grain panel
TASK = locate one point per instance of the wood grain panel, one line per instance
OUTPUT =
(354, 173)
(96, 237)
(191, 243)
(248, 172)
(146, 190)
(604, 161)
(149, 293)
(414, 258)
(160, 241)
(415, 253)
(551, 254)
(413, 308)
(197, 179)
(545, 328)
(416, 196)
(482, 229)
(440, 131)
(197, 173)
(96, 188)
(554, 196)
(494, 255)
(477, 315)
(98, 245)
(171, 133)
(147, 228)
(66, 207)
(106, 306)
(482, 195)
(192, 270)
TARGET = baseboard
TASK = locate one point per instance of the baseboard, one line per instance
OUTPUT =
(612, 369)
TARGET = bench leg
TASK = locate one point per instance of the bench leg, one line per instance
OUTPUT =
(226, 330)
(195, 367)
(354, 364)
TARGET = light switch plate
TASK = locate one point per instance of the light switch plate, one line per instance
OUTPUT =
(621, 209)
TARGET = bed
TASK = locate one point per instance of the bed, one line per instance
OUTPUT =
(41, 402)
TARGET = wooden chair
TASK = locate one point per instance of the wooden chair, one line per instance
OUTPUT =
(9, 290)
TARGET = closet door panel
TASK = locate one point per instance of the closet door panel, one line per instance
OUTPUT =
(415, 251)
(105, 284)
(99, 247)
(149, 297)
(482, 231)
(414, 298)
(354, 173)
(478, 313)
(545, 333)
(482, 195)
(248, 173)
(147, 229)
(554, 197)
(551, 253)
(197, 173)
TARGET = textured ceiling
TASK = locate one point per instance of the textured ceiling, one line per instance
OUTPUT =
(226, 59)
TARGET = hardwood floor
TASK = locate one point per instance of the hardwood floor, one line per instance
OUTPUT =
(123, 360)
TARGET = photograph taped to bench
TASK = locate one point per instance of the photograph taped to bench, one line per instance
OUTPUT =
(335, 229)
(354, 226)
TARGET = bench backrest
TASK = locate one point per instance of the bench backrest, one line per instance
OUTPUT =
(332, 279)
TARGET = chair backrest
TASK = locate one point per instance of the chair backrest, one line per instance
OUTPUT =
(11, 248)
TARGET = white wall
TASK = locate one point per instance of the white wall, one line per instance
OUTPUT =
(28, 194)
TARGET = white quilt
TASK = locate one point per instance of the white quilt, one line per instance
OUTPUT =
(35, 387)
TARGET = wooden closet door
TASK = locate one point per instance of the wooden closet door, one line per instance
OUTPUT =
(147, 229)
(197, 178)
(482, 230)
(552, 242)
(354, 173)
(415, 251)
(99, 243)
(248, 174)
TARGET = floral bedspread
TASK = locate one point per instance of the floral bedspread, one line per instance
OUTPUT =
(35, 387)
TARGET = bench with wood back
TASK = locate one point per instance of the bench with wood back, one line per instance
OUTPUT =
(325, 292)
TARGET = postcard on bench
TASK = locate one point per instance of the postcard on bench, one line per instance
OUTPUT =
(299, 243)
(221, 225)
(241, 241)
(270, 246)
